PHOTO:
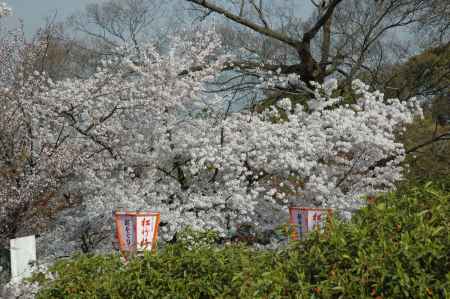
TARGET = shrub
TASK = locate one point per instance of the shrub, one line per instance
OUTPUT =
(397, 247)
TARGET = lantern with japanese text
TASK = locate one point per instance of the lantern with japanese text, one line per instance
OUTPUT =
(304, 220)
(136, 231)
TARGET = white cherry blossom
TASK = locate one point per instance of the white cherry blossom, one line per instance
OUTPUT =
(142, 134)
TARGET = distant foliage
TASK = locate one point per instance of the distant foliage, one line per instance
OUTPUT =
(425, 75)
(433, 161)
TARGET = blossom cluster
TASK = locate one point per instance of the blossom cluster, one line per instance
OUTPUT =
(31, 168)
(4, 10)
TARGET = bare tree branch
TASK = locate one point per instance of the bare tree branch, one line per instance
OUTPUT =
(260, 29)
(311, 33)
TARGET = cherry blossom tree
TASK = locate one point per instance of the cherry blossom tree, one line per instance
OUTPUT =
(124, 123)
(159, 143)
(31, 169)
(141, 133)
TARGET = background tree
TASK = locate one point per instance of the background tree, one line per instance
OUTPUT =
(62, 56)
(113, 24)
(343, 39)
(426, 75)
(434, 22)
(32, 168)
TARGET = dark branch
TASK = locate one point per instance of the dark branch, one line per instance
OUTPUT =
(311, 33)
(260, 29)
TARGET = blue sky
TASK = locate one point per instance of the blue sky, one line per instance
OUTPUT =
(34, 12)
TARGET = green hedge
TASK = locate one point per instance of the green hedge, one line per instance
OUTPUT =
(396, 248)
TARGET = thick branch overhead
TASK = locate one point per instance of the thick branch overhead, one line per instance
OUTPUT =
(260, 29)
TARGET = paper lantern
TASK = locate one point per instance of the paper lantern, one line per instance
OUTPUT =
(304, 220)
(136, 231)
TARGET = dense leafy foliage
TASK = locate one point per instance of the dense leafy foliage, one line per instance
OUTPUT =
(397, 247)
(432, 162)
(425, 75)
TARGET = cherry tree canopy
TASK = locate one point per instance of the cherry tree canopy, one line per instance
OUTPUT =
(141, 133)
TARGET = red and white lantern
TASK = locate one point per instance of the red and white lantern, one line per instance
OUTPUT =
(304, 220)
(136, 231)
